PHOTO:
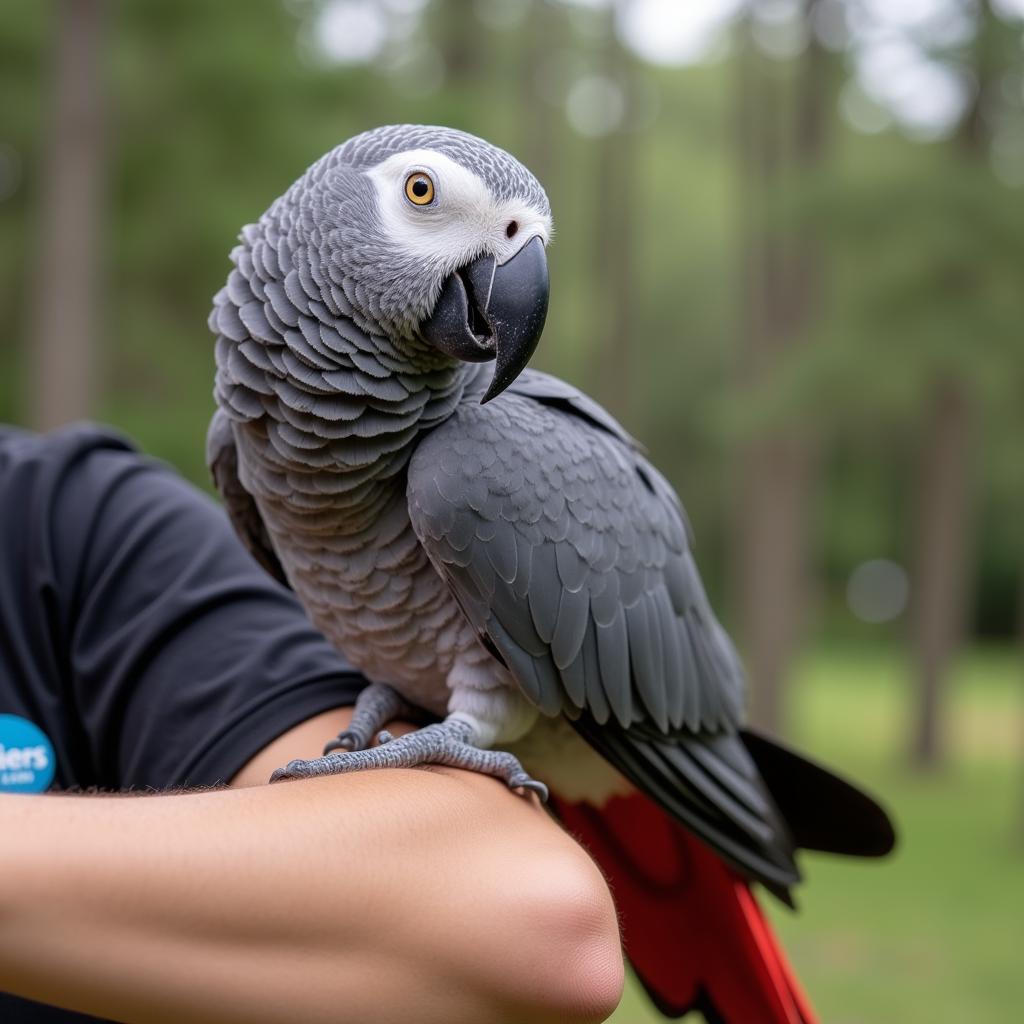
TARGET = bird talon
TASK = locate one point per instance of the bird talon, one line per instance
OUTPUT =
(523, 781)
(292, 770)
(446, 743)
(346, 741)
(540, 789)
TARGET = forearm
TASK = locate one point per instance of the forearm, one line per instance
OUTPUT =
(399, 895)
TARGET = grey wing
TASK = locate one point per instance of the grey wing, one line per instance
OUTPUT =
(222, 458)
(569, 553)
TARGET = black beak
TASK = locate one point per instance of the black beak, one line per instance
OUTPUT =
(486, 311)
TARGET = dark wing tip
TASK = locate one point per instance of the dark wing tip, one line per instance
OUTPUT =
(824, 812)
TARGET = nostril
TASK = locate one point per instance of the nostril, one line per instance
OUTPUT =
(512, 229)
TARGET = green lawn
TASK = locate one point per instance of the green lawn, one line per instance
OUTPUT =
(935, 934)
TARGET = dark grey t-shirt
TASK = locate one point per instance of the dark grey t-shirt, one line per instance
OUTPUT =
(136, 632)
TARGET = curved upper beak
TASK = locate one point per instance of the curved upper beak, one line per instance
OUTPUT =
(488, 310)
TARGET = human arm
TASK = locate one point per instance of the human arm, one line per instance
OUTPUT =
(395, 895)
(153, 653)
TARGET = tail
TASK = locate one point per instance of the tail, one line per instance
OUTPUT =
(691, 927)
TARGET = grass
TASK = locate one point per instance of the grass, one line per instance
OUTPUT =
(935, 934)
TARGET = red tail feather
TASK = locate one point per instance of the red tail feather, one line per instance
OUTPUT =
(692, 929)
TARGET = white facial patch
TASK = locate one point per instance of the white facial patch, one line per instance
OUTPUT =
(462, 222)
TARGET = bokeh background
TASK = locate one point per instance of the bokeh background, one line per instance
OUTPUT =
(789, 256)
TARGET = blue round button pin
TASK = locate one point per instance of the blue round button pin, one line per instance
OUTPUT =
(27, 760)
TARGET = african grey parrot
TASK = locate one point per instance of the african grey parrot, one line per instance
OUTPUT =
(493, 547)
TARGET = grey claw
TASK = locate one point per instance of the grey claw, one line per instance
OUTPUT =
(530, 784)
(292, 770)
(343, 741)
(384, 736)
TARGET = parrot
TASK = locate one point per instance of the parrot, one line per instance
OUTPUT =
(498, 557)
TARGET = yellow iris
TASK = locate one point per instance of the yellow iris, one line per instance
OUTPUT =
(419, 189)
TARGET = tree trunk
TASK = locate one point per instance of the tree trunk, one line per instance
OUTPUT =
(773, 554)
(941, 562)
(539, 130)
(612, 221)
(778, 467)
(63, 354)
(943, 535)
(463, 43)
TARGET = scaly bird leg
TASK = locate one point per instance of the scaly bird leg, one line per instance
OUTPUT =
(374, 708)
(447, 743)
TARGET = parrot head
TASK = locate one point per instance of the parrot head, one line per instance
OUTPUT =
(435, 236)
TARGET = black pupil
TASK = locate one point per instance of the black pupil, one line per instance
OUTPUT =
(420, 188)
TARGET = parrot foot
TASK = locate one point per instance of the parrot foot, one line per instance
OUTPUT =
(444, 743)
(374, 708)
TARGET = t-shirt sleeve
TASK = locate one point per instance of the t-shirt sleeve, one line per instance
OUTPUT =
(179, 658)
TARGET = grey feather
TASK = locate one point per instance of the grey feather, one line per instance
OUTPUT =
(222, 458)
(595, 701)
(645, 657)
(544, 593)
(613, 649)
(570, 627)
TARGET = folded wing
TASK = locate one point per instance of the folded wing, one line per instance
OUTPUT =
(569, 553)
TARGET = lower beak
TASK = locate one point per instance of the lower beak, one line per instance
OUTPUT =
(493, 311)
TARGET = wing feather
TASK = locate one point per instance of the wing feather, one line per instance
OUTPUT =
(573, 614)
(222, 458)
(596, 700)
(613, 649)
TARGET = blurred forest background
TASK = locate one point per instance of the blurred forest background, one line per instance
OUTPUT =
(789, 256)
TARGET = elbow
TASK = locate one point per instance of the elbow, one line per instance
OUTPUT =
(571, 968)
(584, 975)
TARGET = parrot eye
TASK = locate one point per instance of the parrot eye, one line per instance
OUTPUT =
(419, 189)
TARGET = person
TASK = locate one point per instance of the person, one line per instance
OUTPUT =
(143, 652)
